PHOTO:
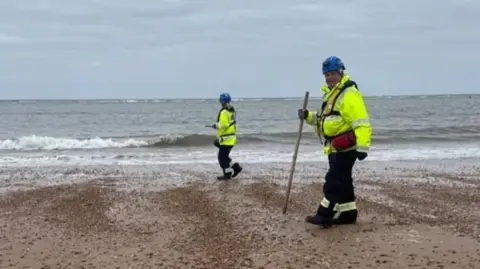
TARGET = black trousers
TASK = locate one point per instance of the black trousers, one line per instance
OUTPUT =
(338, 187)
(224, 156)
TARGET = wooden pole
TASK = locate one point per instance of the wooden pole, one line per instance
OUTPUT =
(295, 153)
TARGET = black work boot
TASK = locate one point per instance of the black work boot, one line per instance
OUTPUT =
(236, 169)
(225, 176)
(322, 218)
(325, 222)
(347, 217)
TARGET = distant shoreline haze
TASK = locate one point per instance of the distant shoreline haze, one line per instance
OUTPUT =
(312, 96)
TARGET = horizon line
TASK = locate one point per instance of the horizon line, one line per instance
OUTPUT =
(214, 98)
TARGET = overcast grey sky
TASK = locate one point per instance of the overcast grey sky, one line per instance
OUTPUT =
(250, 48)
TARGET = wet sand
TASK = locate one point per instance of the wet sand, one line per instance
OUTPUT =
(404, 223)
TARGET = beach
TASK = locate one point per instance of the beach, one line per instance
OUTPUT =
(107, 156)
(411, 215)
(84, 184)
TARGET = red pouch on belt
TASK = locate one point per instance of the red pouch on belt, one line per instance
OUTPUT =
(344, 141)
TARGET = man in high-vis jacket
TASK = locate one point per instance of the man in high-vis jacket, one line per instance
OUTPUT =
(226, 127)
(343, 122)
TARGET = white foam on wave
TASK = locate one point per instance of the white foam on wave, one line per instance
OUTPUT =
(191, 156)
(35, 142)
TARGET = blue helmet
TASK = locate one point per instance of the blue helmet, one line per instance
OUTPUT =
(332, 63)
(225, 98)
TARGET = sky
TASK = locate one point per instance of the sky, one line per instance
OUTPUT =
(69, 49)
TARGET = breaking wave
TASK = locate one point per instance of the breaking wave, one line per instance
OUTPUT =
(387, 136)
(34, 142)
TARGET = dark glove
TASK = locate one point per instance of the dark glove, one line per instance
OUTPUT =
(216, 143)
(302, 114)
(361, 156)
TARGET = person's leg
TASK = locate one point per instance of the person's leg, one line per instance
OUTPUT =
(224, 161)
(325, 209)
(345, 211)
(337, 189)
(237, 168)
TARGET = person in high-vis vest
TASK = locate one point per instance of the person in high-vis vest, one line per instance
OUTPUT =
(226, 127)
(344, 126)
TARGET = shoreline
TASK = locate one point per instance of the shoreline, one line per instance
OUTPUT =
(148, 177)
(407, 218)
(249, 154)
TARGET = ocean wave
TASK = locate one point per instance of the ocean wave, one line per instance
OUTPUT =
(34, 142)
(385, 136)
(247, 156)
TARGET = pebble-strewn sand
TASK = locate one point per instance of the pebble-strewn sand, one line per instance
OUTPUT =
(404, 223)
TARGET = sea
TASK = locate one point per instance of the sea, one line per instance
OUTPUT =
(69, 133)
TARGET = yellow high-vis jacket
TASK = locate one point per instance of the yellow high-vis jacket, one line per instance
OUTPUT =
(343, 109)
(226, 127)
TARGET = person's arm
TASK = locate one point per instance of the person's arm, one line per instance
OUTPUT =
(224, 121)
(355, 113)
